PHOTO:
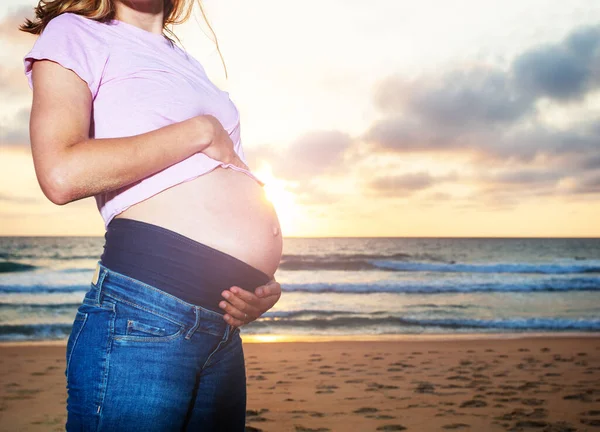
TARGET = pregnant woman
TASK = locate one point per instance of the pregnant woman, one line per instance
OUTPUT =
(123, 114)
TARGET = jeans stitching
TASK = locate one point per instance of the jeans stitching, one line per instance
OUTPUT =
(136, 324)
(118, 298)
(85, 317)
(223, 340)
(133, 338)
(161, 292)
(111, 325)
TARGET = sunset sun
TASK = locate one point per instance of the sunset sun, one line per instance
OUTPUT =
(281, 198)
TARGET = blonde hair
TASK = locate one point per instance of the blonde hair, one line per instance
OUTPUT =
(175, 12)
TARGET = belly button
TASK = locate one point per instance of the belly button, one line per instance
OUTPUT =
(275, 230)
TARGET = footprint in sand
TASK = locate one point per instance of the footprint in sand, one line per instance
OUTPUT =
(473, 403)
(257, 377)
(20, 394)
(365, 410)
(305, 429)
(380, 417)
(325, 389)
(256, 416)
(376, 386)
(456, 426)
(393, 427)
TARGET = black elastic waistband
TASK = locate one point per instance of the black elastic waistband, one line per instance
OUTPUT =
(174, 263)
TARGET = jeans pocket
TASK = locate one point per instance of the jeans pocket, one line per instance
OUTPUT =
(78, 323)
(134, 323)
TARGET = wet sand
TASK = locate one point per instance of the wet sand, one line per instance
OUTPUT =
(546, 383)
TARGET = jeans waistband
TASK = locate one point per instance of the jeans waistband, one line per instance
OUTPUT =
(124, 288)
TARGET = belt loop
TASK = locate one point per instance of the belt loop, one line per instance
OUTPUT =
(196, 324)
(98, 280)
(228, 332)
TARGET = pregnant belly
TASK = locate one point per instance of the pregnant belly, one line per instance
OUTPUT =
(224, 209)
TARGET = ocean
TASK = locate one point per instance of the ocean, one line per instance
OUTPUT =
(348, 287)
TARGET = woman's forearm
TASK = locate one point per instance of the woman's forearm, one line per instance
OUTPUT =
(93, 166)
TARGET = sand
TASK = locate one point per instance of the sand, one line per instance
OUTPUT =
(544, 383)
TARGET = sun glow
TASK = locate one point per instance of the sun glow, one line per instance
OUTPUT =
(281, 198)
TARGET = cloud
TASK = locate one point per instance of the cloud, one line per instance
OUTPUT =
(407, 183)
(488, 115)
(455, 108)
(464, 98)
(19, 199)
(402, 184)
(311, 155)
(588, 184)
(16, 131)
(9, 25)
(564, 71)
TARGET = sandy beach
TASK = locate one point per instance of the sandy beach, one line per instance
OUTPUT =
(542, 383)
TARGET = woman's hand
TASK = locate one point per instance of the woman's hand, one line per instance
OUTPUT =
(242, 306)
(220, 145)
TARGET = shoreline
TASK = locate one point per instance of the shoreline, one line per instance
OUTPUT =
(432, 337)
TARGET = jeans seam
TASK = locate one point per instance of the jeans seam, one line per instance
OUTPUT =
(223, 340)
(111, 324)
(85, 317)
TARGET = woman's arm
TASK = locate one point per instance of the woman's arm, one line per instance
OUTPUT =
(71, 166)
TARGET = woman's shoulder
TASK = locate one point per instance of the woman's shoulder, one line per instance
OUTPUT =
(74, 42)
(77, 26)
(73, 19)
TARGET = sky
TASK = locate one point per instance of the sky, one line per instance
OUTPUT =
(387, 118)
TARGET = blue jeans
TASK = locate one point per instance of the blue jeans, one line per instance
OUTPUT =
(141, 359)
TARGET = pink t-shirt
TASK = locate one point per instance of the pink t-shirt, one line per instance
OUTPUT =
(139, 82)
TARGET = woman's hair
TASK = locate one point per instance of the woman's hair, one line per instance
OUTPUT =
(175, 12)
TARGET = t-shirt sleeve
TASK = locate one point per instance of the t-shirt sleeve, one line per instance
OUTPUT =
(71, 42)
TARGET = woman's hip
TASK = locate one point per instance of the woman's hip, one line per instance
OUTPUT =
(137, 358)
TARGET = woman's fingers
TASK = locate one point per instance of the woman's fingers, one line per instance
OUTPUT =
(235, 313)
(272, 288)
(243, 306)
(239, 163)
(247, 296)
(234, 322)
(238, 308)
